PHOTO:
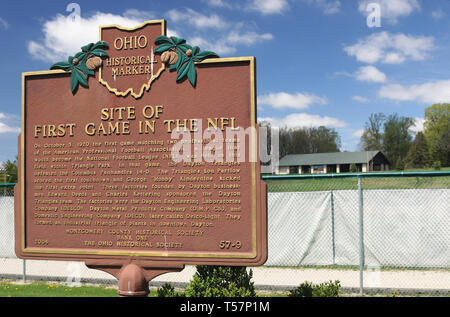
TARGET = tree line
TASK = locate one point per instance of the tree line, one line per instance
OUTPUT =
(306, 140)
(392, 135)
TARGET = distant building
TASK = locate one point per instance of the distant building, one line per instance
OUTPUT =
(326, 163)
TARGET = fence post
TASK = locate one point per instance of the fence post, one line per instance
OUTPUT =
(361, 237)
(24, 271)
(333, 237)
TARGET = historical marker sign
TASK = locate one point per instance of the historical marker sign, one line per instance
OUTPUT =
(150, 158)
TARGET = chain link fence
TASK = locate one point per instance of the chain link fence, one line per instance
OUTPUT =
(73, 273)
(379, 232)
(371, 231)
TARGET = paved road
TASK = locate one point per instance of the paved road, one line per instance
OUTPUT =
(263, 277)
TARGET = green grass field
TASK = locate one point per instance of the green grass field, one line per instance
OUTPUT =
(39, 289)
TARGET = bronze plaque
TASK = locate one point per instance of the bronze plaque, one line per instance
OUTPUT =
(98, 175)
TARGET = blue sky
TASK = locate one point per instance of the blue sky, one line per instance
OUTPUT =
(319, 63)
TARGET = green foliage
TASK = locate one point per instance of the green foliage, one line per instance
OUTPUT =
(308, 140)
(187, 56)
(437, 132)
(308, 289)
(400, 164)
(419, 154)
(353, 168)
(304, 290)
(441, 149)
(168, 290)
(10, 168)
(437, 165)
(221, 281)
(391, 135)
(372, 137)
(327, 289)
(77, 64)
(397, 138)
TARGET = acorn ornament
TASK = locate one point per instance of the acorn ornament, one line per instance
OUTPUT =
(93, 63)
(169, 57)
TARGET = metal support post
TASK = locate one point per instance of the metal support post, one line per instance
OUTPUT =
(361, 237)
(333, 228)
(24, 271)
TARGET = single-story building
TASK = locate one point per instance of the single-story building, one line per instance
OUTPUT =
(327, 163)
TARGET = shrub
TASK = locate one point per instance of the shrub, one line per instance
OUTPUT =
(353, 168)
(327, 289)
(168, 290)
(437, 165)
(304, 290)
(400, 165)
(221, 281)
(308, 289)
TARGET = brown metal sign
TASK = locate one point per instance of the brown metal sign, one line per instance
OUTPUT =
(150, 160)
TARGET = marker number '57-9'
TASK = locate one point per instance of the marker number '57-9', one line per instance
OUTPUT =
(230, 244)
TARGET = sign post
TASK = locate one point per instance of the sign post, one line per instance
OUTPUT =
(139, 155)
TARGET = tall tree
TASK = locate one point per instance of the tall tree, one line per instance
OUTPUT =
(441, 151)
(10, 169)
(419, 154)
(397, 137)
(437, 126)
(372, 137)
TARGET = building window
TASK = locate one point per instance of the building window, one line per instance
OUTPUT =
(319, 169)
(293, 170)
(306, 169)
(331, 169)
(345, 168)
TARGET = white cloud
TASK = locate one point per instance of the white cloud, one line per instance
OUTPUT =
(227, 35)
(428, 93)
(418, 125)
(219, 46)
(294, 101)
(3, 24)
(304, 120)
(64, 37)
(218, 3)
(327, 6)
(358, 133)
(360, 99)
(197, 19)
(438, 14)
(267, 7)
(391, 10)
(249, 38)
(390, 48)
(140, 15)
(5, 128)
(229, 41)
(370, 74)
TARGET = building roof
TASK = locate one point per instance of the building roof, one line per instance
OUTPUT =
(328, 158)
